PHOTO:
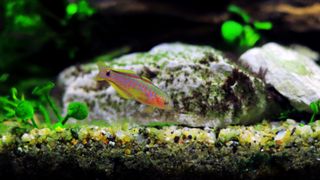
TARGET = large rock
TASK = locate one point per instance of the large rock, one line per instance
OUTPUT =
(294, 75)
(206, 88)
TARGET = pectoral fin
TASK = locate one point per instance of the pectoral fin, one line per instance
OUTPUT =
(121, 92)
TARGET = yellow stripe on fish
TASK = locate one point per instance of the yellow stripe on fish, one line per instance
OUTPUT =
(129, 85)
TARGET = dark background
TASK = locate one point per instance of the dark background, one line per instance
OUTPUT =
(37, 53)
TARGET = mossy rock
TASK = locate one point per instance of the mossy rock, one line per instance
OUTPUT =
(292, 72)
(206, 88)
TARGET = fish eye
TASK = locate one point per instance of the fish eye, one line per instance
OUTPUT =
(108, 73)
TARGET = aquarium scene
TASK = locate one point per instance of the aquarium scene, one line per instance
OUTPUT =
(140, 89)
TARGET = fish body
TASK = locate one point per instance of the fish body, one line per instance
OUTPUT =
(129, 85)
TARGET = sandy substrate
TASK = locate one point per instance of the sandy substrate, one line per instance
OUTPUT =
(262, 151)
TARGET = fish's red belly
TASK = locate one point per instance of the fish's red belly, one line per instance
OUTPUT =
(155, 102)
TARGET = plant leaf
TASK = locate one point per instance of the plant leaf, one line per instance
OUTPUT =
(43, 89)
(314, 106)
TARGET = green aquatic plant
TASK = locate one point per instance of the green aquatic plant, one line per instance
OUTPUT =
(43, 91)
(80, 7)
(21, 18)
(15, 107)
(21, 23)
(237, 10)
(231, 30)
(20, 108)
(4, 77)
(76, 110)
(314, 106)
(244, 34)
(25, 111)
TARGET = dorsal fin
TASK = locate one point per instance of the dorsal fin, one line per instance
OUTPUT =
(132, 74)
(125, 71)
(146, 79)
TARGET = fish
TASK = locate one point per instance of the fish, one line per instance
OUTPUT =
(129, 85)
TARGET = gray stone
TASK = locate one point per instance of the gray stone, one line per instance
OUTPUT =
(206, 88)
(294, 75)
(305, 51)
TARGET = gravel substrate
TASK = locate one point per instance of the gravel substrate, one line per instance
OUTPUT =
(262, 151)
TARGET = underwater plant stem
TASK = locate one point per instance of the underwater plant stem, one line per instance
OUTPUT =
(312, 118)
(34, 123)
(54, 107)
(45, 115)
(65, 119)
(6, 101)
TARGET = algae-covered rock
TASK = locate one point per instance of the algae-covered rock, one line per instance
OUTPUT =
(294, 75)
(207, 89)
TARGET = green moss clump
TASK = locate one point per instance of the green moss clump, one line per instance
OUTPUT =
(78, 110)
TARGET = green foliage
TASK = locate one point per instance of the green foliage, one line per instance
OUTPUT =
(231, 30)
(237, 10)
(72, 9)
(16, 107)
(24, 110)
(58, 125)
(314, 106)
(81, 8)
(244, 35)
(4, 77)
(29, 27)
(262, 25)
(76, 110)
(250, 38)
(20, 16)
(27, 21)
(44, 89)
(20, 20)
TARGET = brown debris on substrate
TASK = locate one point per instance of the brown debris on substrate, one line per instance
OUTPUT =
(266, 150)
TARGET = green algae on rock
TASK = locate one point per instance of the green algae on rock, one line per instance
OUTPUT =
(207, 89)
(256, 151)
